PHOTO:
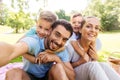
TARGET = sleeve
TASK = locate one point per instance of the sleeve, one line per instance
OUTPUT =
(64, 56)
(32, 31)
(98, 44)
(70, 50)
(32, 44)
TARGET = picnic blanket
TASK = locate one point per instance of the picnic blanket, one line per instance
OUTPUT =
(7, 67)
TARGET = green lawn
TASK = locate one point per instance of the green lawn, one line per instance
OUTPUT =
(110, 42)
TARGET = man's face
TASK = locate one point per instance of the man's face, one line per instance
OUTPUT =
(57, 38)
(76, 23)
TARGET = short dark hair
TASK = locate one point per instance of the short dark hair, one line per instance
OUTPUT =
(64, 23)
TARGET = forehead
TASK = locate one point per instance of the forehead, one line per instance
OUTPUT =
(93, 21)
(60, 28)
(44, 23)
(77, 18)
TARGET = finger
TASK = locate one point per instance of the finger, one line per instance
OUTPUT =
(41, 53)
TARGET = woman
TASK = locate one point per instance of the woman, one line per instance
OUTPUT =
(83, 55)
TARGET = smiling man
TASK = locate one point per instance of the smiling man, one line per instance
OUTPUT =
(60, 33)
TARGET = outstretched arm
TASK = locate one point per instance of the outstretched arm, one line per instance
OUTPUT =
(9, 52)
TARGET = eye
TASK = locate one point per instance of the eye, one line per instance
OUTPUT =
(57, 34)
(88, 26)
(97, 28)
(73, 22)
(64, 40)
(46, 29)
(40, 27)
(79, 22)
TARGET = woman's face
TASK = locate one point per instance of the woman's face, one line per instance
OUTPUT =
(90, 29)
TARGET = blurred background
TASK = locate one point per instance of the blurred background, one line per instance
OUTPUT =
(18, 16)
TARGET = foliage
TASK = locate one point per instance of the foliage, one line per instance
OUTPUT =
(62, 15)
(103, 56)
(19, 20)
(16, 19)
(107, 10)
(3, 13)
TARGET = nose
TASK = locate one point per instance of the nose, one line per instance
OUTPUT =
(93, 29)
(42, 31)
(76, 24)
(59, 41)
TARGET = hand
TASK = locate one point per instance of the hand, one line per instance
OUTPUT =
(92, 53)
(45, 57)
(86, 57)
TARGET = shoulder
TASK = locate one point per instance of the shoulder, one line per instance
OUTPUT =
(68, 45)
(32, 31)
(33, 42)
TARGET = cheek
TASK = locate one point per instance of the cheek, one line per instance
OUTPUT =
(97, 33)
(38, 29)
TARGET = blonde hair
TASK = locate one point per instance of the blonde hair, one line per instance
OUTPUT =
(48, 16)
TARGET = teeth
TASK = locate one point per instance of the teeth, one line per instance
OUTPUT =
(91, 35)
(54, 45)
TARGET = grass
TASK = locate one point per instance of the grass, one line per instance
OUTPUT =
(110, 43)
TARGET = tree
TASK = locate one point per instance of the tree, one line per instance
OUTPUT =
(3, 13)
(20, 19)
(62, 15)
(107, 10)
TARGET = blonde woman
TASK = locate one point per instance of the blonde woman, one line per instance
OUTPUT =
(83, 56)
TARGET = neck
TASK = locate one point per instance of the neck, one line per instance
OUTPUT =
(85, 44)
(76, 33)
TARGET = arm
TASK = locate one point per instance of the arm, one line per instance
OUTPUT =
(78, 48)
(30, 57)
(34, 59)
(82, 60)
(21, 38)
(9, 52)
(77, 63)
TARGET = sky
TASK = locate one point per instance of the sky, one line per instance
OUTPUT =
(55, 5)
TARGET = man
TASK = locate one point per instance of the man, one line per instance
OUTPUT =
(60, 33)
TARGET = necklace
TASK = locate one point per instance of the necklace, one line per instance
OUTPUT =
(80, 46)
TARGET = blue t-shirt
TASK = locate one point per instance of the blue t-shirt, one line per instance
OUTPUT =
(36, 45)
(32, 31)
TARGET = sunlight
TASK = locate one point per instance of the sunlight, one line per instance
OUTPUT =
(55, 5)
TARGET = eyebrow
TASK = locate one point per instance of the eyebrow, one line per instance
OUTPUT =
(63, 36)
(92, 25)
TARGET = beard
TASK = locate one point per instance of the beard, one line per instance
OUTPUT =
(50, 45)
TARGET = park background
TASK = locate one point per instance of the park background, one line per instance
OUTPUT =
(18, 16)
